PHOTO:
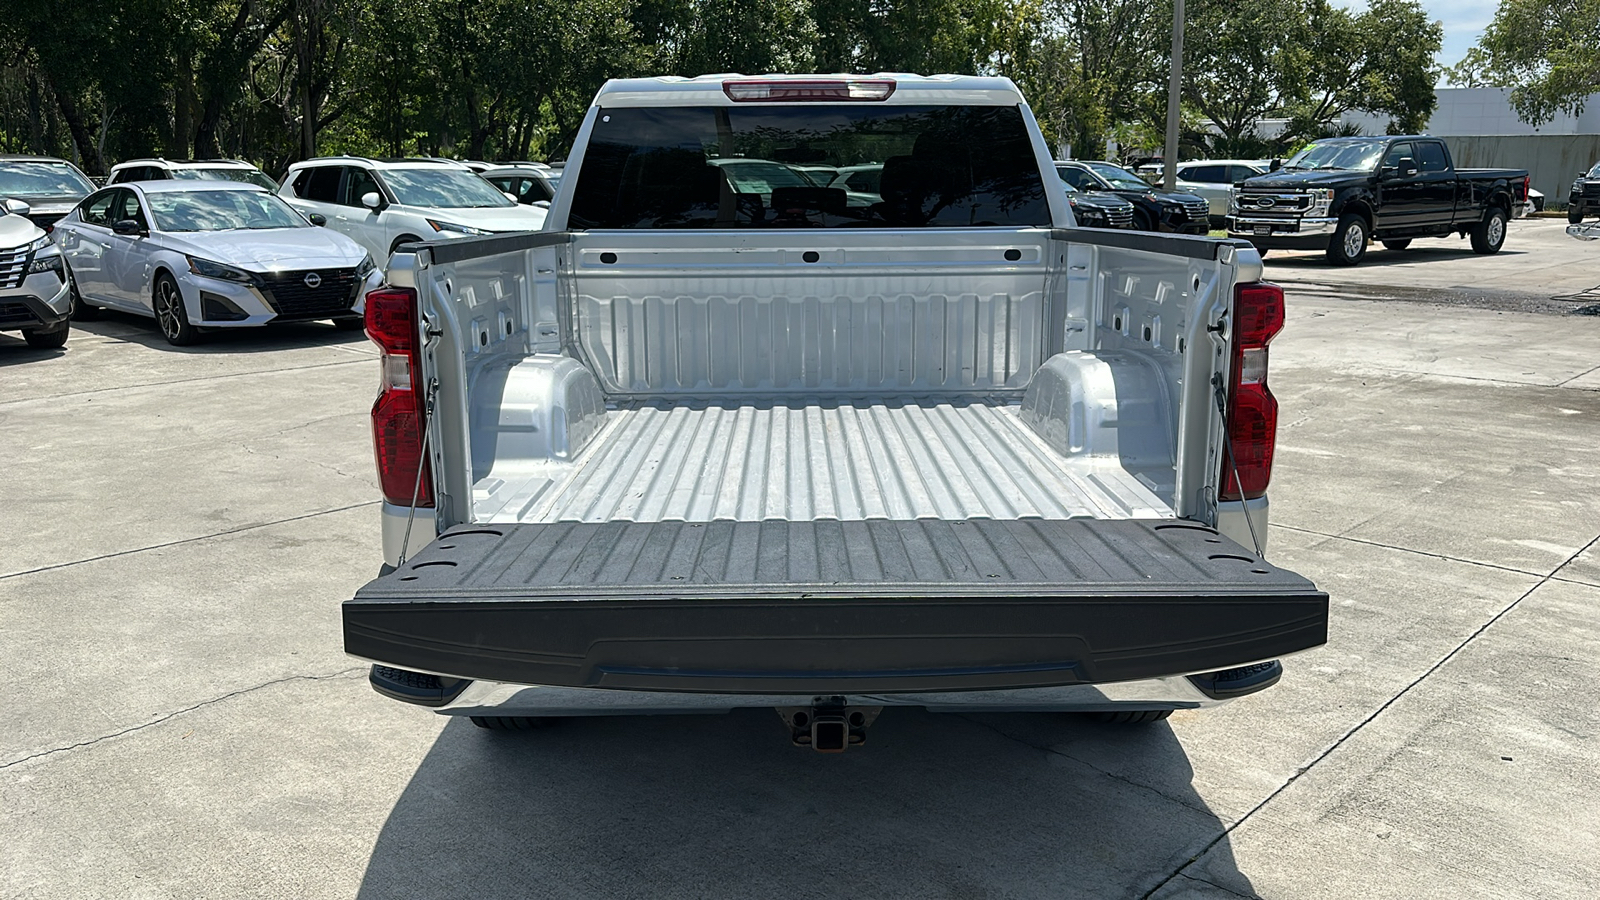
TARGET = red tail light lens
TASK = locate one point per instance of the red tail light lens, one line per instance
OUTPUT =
(398, 415)
(794, 90)
(1258, 315)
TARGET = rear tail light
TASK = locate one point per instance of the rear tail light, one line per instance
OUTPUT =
(800, 91)
(398, 415)
(1252, 416)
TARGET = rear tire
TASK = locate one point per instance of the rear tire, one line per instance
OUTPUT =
(1574, 214)
(1349, 242)
(171, 317)
(1130, 717)
(53, 339)
(1489, 235)
(512, 723)
(1397, 245)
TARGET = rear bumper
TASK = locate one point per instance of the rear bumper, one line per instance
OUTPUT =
(487, 698)
(911, 606)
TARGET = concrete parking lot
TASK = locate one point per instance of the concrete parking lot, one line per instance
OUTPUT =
(180, 527)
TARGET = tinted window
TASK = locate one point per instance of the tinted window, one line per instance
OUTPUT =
(1120, 178)
(1430, 156)
(320, 183)
(358, 183)
(745, 167)
(1397, 153)
(97, 209)
(1205, 174)
(865, 181)
(1240, 173)
(1078, 178)
(526, 188)
(126, 206)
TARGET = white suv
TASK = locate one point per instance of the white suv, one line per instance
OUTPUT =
(385, 203)
(189, 170)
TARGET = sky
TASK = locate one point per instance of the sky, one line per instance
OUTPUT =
(1463, 20)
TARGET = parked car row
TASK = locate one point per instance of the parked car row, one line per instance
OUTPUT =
(206, 244)
(1152, 209)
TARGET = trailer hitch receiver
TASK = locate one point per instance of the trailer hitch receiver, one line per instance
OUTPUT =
(829, 724)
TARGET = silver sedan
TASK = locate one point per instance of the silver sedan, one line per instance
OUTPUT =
(210, 255)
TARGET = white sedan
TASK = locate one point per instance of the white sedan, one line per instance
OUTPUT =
(196, 255)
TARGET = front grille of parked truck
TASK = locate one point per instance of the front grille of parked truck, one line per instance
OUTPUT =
(1258, 203)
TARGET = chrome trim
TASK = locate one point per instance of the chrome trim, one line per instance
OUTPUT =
(1245, 227)
(498, 699)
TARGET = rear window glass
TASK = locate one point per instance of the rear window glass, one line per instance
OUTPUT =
(764, 167)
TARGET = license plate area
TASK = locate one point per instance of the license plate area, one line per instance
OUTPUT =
(1264, 230)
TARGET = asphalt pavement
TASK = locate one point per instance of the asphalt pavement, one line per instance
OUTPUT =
(180, 527)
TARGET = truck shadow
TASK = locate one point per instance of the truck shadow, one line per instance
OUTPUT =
(1425, 250)
(140, 330)
(707, 806)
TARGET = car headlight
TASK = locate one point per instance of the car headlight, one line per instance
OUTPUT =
(208, 269)
(1321, 199)
(38, 244)
(365, 268)
(1577, 186)
(457, 229)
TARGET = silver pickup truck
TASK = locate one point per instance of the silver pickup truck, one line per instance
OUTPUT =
(716, 440)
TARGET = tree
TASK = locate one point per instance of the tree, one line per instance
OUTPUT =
(1250, 65)
(1547, 51)
(1379, 61)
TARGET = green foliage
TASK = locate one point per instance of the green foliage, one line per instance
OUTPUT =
(276, 80)
(1547, 51)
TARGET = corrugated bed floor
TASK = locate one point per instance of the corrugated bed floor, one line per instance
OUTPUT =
(750, 463)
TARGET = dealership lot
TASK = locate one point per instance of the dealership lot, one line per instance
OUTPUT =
(181, 525)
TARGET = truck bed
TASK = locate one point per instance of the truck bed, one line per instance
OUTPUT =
(752, 462)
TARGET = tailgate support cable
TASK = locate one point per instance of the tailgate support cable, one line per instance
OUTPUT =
(422, 463)
(1233, 463)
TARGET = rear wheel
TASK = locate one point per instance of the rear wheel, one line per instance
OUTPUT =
(1490, 234)
(513, 723)
(1130, 717)
(47, 339)
(1574, 214)
(170, 314)
(1397, 245)
(1349, 242)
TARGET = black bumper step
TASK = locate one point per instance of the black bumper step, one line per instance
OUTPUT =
(832, 607)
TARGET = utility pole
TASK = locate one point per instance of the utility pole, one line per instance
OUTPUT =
(1169, 158)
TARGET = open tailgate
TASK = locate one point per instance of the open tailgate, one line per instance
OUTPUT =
(832, 607)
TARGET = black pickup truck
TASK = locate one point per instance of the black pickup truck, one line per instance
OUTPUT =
(1340, 194)
(1585, 197)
